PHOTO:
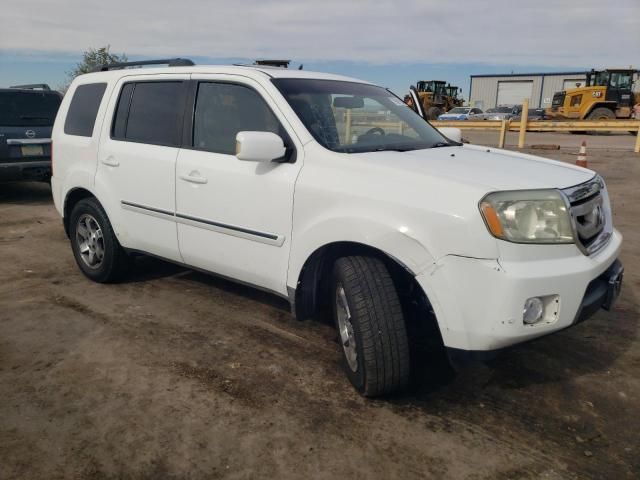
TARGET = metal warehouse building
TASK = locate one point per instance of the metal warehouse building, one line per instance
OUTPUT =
(487, 91)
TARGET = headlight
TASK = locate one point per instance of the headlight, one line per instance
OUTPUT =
(528, 216)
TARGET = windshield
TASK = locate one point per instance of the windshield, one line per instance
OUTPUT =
(355, 117)
(459, 110)
(28, 109)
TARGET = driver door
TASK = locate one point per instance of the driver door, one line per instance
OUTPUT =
(235, 217)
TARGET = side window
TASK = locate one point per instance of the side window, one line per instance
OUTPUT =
(223, 110)
(83, 109)
(150, 112)
(119, 127)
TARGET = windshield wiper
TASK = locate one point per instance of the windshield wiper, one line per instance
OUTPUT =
(444, 144)
(393, 149)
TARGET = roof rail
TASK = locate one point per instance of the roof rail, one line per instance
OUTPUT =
(273, 63)
(32, 86)
(172, 62)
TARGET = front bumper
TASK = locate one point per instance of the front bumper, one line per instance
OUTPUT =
(479, 302)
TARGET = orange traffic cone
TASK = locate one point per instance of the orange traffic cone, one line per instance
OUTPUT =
(582, 155)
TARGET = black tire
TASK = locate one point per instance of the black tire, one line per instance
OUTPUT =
(600, 113)
(433, 113)
(378, 325)
(115, 262)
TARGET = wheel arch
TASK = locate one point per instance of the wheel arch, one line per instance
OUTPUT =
(72, 197)
(608, 105)
(310, 296)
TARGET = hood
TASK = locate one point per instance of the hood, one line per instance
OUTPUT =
(489, 169)
(453, 115)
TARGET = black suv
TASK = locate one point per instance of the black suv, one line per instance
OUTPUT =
(27, 113)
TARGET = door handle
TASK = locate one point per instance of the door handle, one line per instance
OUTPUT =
(110, 161)
(194, 179)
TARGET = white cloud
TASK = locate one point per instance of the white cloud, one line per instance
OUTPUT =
(545, 32)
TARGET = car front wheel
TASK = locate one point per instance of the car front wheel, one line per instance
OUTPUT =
(369, 318)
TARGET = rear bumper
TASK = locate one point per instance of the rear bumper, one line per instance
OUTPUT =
(25, 171)
(479, 302)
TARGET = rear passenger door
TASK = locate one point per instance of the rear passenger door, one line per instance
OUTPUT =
(234, 216)
(137, 159)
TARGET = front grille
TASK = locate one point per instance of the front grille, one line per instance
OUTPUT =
(590, 214)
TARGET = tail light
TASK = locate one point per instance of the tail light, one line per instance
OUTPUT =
(51, 155)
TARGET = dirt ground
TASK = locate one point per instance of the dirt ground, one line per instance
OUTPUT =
(175, 374)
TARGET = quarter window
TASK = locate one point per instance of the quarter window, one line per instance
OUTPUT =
(223, 110)
(150, 112)
(83, 109)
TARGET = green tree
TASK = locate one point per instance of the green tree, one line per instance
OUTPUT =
(92, 59)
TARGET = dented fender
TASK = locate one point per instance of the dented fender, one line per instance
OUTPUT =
(398, 243)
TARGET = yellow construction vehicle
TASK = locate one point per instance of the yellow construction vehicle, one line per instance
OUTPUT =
(435, 97)
(607, 94)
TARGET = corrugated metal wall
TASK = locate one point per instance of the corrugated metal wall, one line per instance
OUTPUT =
(485, 89)
(555, 83)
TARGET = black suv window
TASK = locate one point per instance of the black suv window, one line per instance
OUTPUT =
(150, 112)
(28, 109)
(85, 103)
(223, 110)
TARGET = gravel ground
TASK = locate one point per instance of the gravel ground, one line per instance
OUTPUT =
(175, 374)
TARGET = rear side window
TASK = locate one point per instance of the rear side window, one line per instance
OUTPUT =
(150, 112)
(85, 103)
(223, 110)
(28, 109)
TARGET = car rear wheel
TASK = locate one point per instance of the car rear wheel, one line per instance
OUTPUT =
(371, 325)
(95, 246)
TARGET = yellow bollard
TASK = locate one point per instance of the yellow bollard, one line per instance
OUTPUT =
(503, 133)
(524, 117)
(637, 149)
(347, 127)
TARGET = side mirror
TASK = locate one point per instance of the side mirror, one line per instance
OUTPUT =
(259, 146)
(451, 133)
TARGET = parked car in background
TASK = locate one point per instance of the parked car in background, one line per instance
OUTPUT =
(200, 165)
(535, 114)
(462, 113)
(27, 113)
(503, 112)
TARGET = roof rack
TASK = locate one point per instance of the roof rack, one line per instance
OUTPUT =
(32, 86)
(273, 63)
(171, 62)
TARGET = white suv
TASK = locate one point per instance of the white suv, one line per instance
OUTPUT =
(332, 193)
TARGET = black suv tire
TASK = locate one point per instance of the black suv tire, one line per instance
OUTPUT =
(374, 335)
(93, 239)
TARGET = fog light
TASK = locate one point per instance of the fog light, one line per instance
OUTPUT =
(533, 310)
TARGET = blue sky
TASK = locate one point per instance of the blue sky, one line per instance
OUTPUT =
(42, 67)
(391, 42)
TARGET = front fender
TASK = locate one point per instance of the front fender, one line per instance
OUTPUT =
(397, 243)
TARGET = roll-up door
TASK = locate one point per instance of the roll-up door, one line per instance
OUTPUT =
(514, 92)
